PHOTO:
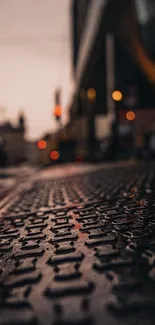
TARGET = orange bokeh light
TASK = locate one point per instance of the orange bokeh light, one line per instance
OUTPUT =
(58, 110)
(117, 95)
(41, 144)
(91, 94)
(54, 155)
(130, 116)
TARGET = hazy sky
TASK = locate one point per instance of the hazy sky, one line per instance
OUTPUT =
(34, 59)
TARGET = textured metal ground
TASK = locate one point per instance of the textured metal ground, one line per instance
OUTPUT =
(80, 250)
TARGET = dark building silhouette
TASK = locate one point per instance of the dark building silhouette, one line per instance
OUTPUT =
(21, 121)
(13, 142)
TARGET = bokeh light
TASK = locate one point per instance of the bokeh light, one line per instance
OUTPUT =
(41, 144)
(58, 110)
(54, 155)
(91, 94)
(117, 95)
(130, 116)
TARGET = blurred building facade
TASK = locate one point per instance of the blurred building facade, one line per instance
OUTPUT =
(13, 139)
(31, 153)
(108, 56)
(93, 115)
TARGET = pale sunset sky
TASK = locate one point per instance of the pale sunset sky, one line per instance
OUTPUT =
(34, 60)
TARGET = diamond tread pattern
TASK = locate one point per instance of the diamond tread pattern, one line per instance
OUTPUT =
(81, 250)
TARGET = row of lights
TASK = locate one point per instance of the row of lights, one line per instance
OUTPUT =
(91, 95)
(41, 145)
(54, 155)
(116, 96)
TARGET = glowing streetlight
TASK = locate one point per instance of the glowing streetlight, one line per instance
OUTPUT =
(41, 144)
(130, 116)
(91, 94)
(54, 155)
(117, 95)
